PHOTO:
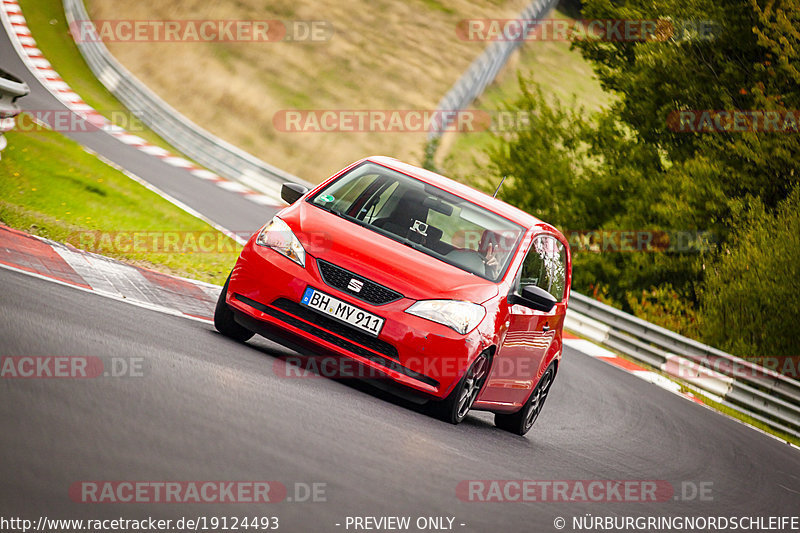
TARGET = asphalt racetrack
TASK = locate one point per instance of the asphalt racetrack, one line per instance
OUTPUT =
(206, 408)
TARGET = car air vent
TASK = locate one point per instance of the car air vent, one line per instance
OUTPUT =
(358, 286)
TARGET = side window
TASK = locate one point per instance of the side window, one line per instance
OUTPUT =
(546, 266)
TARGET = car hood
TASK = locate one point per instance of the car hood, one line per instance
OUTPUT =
(381, 259)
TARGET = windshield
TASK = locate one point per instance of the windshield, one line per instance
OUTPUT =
(425, 218)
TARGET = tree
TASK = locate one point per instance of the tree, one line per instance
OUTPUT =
(747, 60)
(634, 167)
(751, 298)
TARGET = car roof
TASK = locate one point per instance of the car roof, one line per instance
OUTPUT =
(468, 193)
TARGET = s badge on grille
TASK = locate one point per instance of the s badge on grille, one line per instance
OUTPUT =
(355, 285)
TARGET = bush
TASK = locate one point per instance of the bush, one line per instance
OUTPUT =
(751, 299)
(667, 308)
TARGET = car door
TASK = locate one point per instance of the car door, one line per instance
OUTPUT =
(520, 356)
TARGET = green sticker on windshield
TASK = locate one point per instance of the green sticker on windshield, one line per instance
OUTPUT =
(327, 198)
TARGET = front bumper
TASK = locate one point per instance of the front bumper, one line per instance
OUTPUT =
(264, 291)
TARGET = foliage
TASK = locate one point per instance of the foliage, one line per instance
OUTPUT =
(663, 306)
(747, 61)
(630, 168)
(751, 298)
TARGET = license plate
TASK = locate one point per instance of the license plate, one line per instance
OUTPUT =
(343, 311)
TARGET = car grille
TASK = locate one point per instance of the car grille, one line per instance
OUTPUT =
(370, 292)
(289, 311)
(378, 345)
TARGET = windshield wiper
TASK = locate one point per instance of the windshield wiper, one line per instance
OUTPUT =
(331, 210)
(415, 245)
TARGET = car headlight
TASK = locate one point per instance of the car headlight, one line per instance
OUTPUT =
(458, 315)
(278, 236)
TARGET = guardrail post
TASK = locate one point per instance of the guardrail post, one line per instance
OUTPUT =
(11, 89)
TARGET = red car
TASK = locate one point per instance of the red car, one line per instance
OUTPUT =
(451, 294)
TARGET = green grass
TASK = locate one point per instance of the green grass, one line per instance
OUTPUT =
(48, 26)
(435, 5)
(53, 188)
(563, 75)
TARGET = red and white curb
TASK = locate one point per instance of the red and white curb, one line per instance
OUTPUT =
(20, 35)
(598, 352)
(63, 264)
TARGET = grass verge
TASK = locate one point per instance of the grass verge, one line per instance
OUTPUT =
(55, 189)
(562, 73)
(378, 56)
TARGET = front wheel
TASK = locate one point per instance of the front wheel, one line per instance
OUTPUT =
(455, 407)
(522, 421)
(224, 321)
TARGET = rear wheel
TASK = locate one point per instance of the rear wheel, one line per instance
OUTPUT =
(455, 407)
(224, 321)
(522, 421)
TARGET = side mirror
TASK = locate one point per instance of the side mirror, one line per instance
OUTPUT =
(291, 192)
(535, 297)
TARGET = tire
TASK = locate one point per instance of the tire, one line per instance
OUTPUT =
(455, 407)
(224, 321)
(522, 421)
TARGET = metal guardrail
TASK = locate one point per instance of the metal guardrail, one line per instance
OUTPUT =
(192, 140)
(758, 392)
(484, 69)
(230, 161)
(11, 88)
